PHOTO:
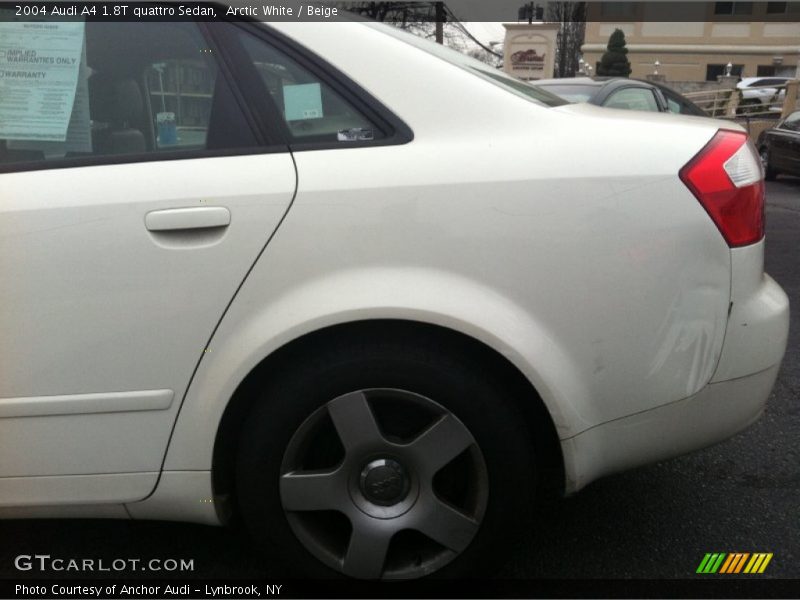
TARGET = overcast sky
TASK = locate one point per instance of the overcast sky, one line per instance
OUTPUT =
(487, 32)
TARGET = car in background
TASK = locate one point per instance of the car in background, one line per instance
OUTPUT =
(779, 147)
(758, 91)
(621, 92)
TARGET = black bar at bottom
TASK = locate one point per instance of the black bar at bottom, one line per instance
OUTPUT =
(712, 587)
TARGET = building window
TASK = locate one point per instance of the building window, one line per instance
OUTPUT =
(735, 8)
(765, 71)
(714, 71)
(618, 9)
(783, 8)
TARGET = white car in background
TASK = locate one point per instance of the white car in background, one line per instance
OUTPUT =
(757, 90)
(366, 292)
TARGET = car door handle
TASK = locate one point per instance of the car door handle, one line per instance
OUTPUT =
(197, 217)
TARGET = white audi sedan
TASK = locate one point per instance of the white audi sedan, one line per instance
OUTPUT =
(366, 293)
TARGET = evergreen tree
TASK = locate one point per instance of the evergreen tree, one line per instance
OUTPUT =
(615, 61)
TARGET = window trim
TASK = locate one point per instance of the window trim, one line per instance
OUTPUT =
(247, 86)
(396, 130)
(131, 159)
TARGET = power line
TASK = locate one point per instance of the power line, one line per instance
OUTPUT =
(455, 21)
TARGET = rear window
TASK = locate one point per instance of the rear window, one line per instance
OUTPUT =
(573, 93)
(476, 67)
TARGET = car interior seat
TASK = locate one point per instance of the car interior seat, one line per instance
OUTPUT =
(116, 107)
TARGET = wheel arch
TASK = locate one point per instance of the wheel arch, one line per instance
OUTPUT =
(538, 418)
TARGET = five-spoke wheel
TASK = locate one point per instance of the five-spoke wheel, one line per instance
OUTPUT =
(390, 478)
(386, 460)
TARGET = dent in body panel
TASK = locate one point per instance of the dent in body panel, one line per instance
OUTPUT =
(689, 339)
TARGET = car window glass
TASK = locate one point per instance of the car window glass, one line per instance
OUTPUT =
(180, 93)
(632, 99)
(573, 93)
(310, 108)
(792, 122)
(763, 82)
(678, 104)
(127, 90)
(673, 106)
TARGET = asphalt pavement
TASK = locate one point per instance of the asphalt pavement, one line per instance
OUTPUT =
(742, 495)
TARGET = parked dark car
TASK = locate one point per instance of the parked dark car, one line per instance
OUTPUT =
(621, 92)
(779, 147)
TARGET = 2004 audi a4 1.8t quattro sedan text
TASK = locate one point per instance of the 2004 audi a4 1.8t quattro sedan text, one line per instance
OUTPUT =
(350, 286)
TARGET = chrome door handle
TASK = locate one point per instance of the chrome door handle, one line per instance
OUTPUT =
(197, 217)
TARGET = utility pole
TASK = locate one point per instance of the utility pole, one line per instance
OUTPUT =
(529, 12)
(440, 19)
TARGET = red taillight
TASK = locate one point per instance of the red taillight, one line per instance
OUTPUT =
(727, 179)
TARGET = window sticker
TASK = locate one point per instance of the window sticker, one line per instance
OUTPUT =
(302, 101)
(167, 128)
(355, 134)
(40, 62)
(79, 135)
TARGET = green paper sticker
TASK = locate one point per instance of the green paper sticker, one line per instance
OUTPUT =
(302, 102)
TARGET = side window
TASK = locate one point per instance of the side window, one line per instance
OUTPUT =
(96, 90)
(673, 106)
(792, 122)
(632, 99)
(770, 82)
(310, 108)
(676, 104)
(180, 93)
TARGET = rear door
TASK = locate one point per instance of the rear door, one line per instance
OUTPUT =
(136, 191)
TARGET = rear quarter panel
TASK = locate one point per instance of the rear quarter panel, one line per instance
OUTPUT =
(562, 238)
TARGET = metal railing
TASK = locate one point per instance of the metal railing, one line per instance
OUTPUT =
(730, 103)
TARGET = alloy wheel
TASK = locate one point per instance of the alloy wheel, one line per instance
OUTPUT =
(384, 483)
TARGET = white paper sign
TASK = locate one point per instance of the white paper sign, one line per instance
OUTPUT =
(39, 66)
(79, 135)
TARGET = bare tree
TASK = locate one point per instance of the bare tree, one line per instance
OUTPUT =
(418, 17)
(571, 17)
(432, 20)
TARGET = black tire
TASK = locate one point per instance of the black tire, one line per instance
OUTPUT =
(424, 371)
(769, 173)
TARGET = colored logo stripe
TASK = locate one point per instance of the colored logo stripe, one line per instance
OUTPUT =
(711, 563)
(758, 563)
(727, 564)
(735, 562)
